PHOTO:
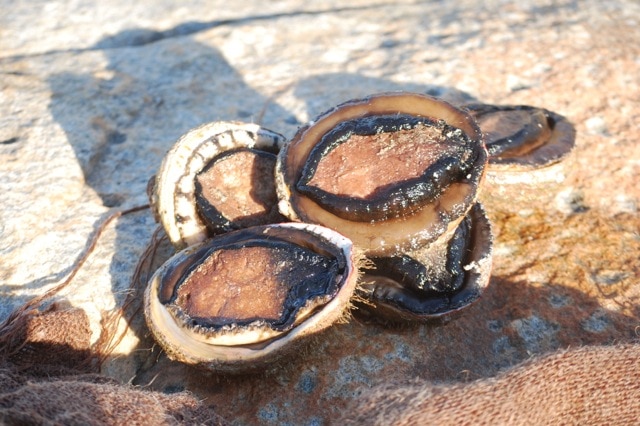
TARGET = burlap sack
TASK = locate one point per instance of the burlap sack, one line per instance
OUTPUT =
(585, 386)
(46, 378)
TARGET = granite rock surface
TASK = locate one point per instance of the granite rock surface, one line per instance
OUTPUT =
(92, 95)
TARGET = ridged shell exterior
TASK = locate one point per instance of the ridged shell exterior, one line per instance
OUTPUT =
(173, 193)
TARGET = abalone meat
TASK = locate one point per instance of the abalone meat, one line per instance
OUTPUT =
(216, 178)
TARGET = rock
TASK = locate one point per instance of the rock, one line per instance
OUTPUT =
(94, 94)
(597, 125)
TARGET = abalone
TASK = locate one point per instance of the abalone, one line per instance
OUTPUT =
(216, 178)
(523, 137)
(391, 172)
(433, 282)
(243, 299)
(529, 153)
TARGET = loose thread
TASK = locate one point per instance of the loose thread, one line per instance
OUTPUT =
(12, 327)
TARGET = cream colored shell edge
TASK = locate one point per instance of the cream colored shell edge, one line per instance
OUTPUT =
(173, 197)
(185, 347)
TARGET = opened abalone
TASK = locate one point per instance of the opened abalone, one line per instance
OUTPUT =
(435, 281)
(523, 136)
(245, 298)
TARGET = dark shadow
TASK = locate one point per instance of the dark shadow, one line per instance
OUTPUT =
(511, 323)
(108, 117)
(337, 88)
(49, 343)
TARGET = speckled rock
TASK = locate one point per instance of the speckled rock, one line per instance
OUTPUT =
(93, 95)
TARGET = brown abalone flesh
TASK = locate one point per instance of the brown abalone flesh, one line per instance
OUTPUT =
(245, 298)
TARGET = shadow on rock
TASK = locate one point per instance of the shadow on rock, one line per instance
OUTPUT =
(321, 92)
(513, 322)
(121, 120)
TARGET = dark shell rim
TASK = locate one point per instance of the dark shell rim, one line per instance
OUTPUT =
(476, 281)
